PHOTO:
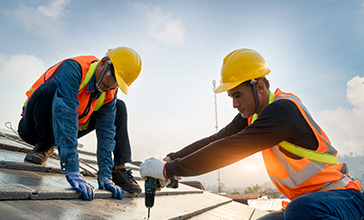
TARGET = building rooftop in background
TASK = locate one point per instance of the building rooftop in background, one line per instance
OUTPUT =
(29, 191)
(243, 196)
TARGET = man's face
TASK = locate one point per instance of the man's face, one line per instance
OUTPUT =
(243, 100)
(108, 82)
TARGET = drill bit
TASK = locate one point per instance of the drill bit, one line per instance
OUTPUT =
(148, 213)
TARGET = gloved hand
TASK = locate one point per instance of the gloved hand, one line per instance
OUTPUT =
(153, 167)
(105, 182)
(77, 181)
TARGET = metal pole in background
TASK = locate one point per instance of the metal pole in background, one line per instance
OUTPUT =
(217, 129)
(214, 87)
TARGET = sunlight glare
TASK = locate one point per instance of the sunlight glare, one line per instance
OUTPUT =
(250, 167)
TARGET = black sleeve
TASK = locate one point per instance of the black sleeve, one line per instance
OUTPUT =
(236, 125)
(274, 125)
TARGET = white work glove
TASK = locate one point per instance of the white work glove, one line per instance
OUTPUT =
(153, 167)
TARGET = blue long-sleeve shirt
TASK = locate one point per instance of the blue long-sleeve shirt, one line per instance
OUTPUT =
(68, 77)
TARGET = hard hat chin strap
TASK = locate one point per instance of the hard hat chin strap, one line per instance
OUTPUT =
(102, 76)
(253, 82)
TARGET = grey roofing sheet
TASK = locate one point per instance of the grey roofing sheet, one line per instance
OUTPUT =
(231, 210)
(267, 204)
(29, 191)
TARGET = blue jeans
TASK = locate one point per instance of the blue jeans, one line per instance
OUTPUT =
(329, 205)
(36, 124)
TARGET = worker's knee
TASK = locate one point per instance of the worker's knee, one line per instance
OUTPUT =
(306, 206)
(46, 89)
(120, 107)
(41, 100)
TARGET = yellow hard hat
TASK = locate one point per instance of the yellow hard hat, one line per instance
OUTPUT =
(127, 65)
(239, 66)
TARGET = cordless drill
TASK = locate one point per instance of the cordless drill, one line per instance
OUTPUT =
(150, 186)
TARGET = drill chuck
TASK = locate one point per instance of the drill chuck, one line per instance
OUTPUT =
(150, 186)
(149, 197)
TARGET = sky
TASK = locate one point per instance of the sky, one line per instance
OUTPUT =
(314, 48)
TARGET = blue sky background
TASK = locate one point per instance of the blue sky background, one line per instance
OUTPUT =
(315, 49)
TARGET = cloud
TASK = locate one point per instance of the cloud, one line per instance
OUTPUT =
(349, 122)
(55, 9)
(162, 26)
(44, 20)
(17, 75)
(355, 92)
(361, 9)
(21, 70)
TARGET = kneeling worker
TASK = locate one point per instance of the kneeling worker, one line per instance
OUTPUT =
(71, 99)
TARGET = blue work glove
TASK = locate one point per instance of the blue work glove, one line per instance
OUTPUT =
(77, 181)
(105, 182)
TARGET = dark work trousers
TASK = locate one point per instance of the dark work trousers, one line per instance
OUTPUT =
(122, 152)
(36, 124)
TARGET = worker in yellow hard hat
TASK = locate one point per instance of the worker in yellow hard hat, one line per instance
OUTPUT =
(299, 158)
(71, 99)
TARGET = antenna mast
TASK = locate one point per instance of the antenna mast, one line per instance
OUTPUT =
(217, 129)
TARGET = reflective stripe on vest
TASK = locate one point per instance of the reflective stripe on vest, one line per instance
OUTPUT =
(88, 77)
(294, 177)
(326, 158)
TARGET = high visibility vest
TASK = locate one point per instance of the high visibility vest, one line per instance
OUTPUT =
(88, 65)
(294, 177)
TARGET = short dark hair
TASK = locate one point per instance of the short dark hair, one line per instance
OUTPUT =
(263, 79)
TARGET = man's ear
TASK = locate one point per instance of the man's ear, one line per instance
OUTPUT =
(104, 60)
(260, 86)
(100, 67)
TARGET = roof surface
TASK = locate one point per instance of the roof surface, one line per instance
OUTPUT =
(29, 191)
(267, 204)
(243, 196)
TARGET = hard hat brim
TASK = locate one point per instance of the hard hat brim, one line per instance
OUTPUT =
(227, 86)
(122, 85)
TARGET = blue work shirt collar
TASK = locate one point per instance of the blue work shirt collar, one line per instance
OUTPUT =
(91, 88)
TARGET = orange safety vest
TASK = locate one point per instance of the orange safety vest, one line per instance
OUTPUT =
(88, 65)
(293, 177)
